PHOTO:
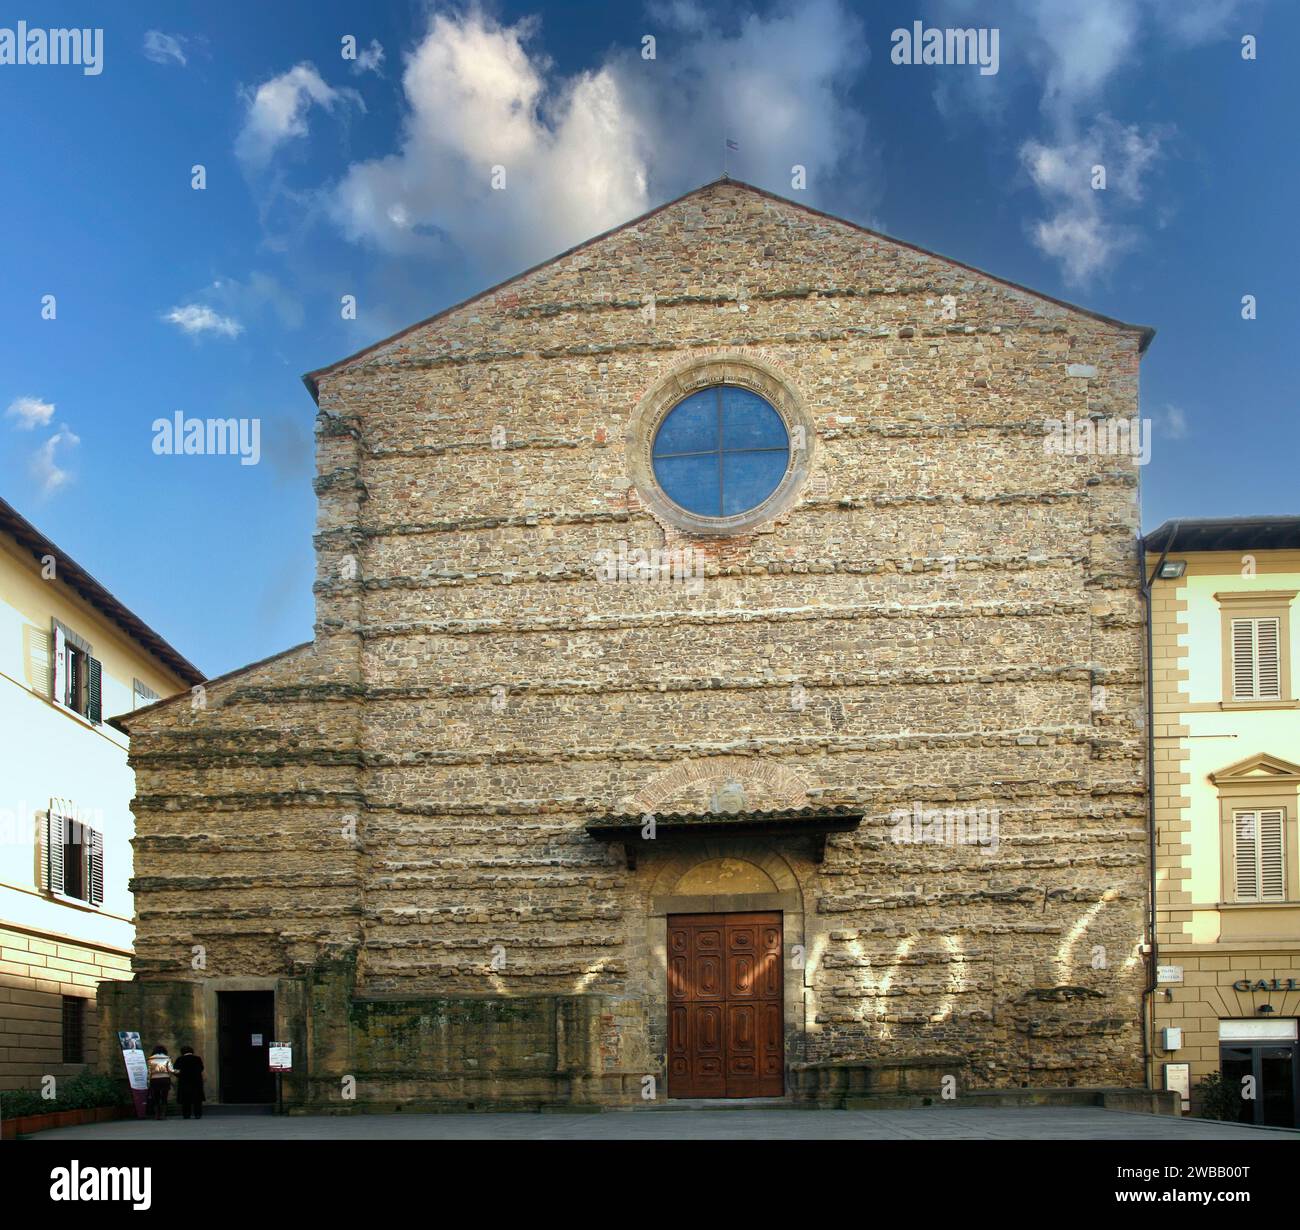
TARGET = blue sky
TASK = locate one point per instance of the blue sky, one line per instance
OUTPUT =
(328, 176)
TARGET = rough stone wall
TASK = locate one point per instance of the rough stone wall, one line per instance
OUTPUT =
(947, 595)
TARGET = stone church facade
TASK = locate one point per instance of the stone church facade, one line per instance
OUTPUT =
(842, 789)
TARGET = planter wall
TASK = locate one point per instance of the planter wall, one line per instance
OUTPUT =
(25, 1125)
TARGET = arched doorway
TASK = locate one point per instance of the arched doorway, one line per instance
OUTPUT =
(725, 938)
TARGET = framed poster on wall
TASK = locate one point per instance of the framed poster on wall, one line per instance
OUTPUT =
(1178, 1077)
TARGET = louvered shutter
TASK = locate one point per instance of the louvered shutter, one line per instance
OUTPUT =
(60, 666)
(1272, 867)
(95, 861)
(40, 660)
(54, 830)
(1268, 667)
(1247, 868)
(94, 681)
(1256, 659)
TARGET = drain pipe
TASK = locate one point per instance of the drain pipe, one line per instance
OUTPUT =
(1148, 1010)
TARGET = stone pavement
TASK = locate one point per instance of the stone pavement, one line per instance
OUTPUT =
(928, 1123)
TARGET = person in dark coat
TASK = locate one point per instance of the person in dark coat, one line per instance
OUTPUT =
(189, 1085)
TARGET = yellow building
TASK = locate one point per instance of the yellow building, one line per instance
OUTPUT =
(1225, 627)
(71, 655)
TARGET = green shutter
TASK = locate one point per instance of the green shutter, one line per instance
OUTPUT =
(95, 880)
(54, 850)
(94, 703)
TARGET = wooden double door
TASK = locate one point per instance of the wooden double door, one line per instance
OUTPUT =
(725, 1006)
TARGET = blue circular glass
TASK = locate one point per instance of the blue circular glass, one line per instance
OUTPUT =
(721, 451)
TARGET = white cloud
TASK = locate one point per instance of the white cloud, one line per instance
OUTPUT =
(30, 412)
(164, 48)
(1173, 422)
(1073, 52)
(197, 318)
(1199, 21)
(47, 472)
(678, 15)
(1068, 48)
(1084, 230)
(1077, 48)
(370, 59)
(251, 296)
(582, 152)
(277, 111)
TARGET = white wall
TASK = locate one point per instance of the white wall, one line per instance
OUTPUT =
(47, 751)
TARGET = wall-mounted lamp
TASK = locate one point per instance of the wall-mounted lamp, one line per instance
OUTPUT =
(1172, 569)
(1264, 1009)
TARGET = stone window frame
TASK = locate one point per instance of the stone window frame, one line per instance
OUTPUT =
(743, 371)
(1238, 792)
(1256, 604)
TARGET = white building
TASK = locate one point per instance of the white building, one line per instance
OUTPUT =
(71, 655)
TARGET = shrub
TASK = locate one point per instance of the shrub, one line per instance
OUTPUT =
(1219, 1099)
(85, 1091)
(15, 1103)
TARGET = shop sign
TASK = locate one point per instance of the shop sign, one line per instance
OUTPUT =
(1265, 984)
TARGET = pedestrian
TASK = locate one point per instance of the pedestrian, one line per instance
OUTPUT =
(160, 1080)
(189, 1083)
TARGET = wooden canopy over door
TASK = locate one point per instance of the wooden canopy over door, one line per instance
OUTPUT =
(725, 1006)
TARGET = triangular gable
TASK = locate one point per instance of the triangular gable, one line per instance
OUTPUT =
(1260, 768)
(312, 379)
(123, 721)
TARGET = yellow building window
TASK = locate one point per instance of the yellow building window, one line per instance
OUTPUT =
(1256, 660)
(1259, 861)
(1258, 802)
(1256, 647)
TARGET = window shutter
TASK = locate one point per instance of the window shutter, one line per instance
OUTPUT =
(60, 666)
(1268, 660)
(40, 660)
(1247, 870)
(94, 704)
(1256, 659)
(1272, 867)
(54, 830)
(43, 851)
(96, 866)
(142, 694)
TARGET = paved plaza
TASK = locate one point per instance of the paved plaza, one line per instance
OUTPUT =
(929, 1123)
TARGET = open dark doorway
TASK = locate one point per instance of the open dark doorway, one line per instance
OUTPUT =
(246, 1025)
